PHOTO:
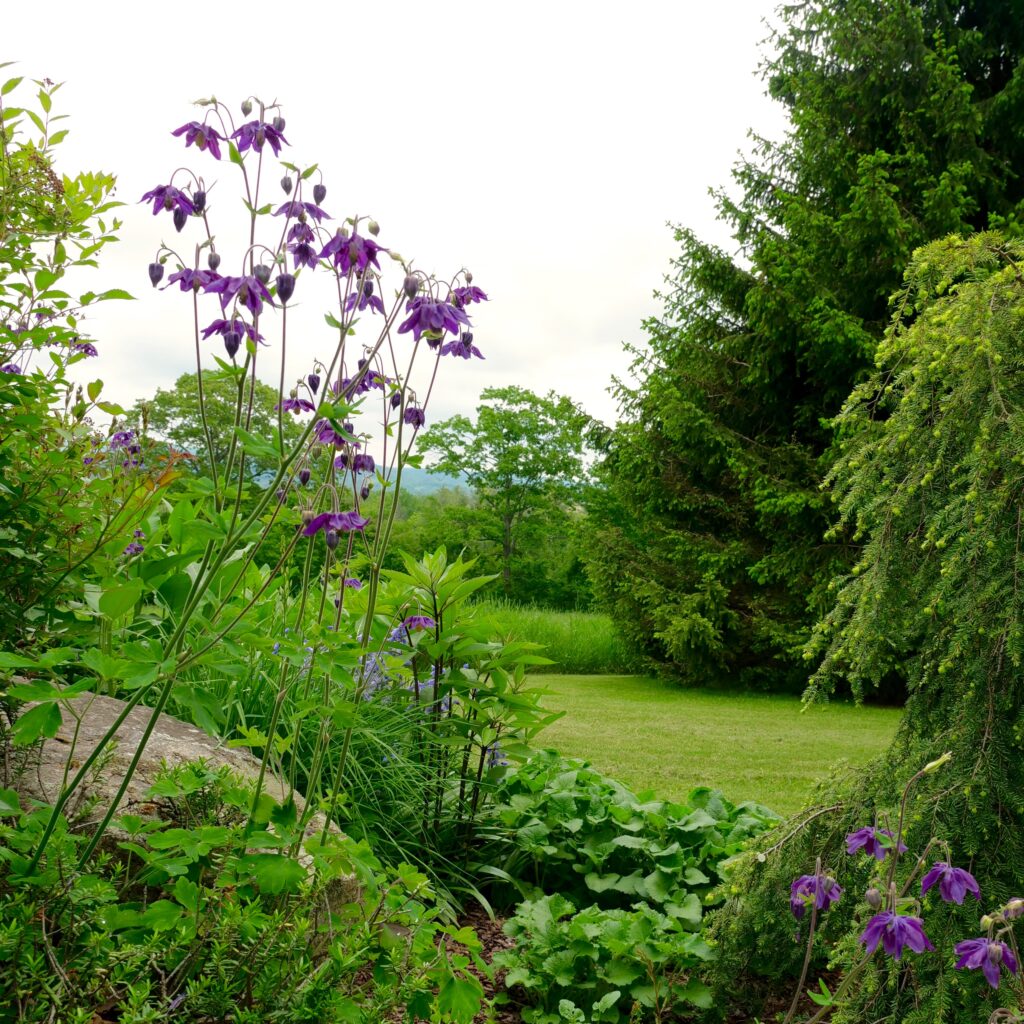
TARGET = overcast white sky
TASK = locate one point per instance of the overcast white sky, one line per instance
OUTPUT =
(543, 145)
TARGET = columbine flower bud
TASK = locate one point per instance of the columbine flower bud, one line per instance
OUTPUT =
(282, 495)
(246, 108)
(156, 273)
(469, 277)
(319, 193)
(995, 953)
(213, 260)
(364, 491)
(313, 380)
(286, 185)
(285, 286)
(332, 539)
(304, 475)
(874, 898)
(199, 200)
(179, 219)
(932, 766)
(278, 123)
(396, 399)
(374, 228)
(232, 339)
(262, 273)
(411, 285)
(307, 516)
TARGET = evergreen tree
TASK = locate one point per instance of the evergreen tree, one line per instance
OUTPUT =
(930, 476)
(907, 123)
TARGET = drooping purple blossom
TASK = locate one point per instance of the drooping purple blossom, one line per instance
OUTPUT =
(285, 287)
(432, 317)
(296, 405)
(188, 279)
(84, 348)
(363, 463)
(470, 293)
(156, 273)
(895, 931)
(203, 135)
(351, 252)
(495, 755)
(248, 290)
(954, 883)
(414, 416)
(870, 840)
(353, 584)
(462, 347)
(313, 380)
(303, 255)
(256, 134)
(418, 622)
(134, 548)
(236, 325)
(336, 521)
(167, 197)
(821, 890)
(12, 368)
(987, 955)
(364, 297)
(294, 208)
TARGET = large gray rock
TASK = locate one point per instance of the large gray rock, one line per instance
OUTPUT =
(87, 718)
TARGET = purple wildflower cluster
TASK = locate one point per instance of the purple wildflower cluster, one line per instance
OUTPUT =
(896, 931)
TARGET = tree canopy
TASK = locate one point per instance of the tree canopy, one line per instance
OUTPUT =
(906, 123)
(524, 453)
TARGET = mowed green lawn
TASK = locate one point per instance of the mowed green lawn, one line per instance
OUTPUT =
(650, 734)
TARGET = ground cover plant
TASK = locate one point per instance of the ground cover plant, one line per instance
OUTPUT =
(752, 747)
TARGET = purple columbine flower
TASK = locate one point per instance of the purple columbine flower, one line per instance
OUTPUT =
(256, 134)
(84, 348)
(296, 405)
(167, 197)
(285, 287)
(418, 622)
(824, 890)
(895, 931)
(353, 584)
(300, 231)
(870, 841)
(248, 290)
(463, 347)
(336, 521)
(134, 548)
(351, 252)
(303, 255)
(12, 368)
(293, 208)
(987, 955)
(464, 296)
(954, 883)
(202, 135)
(188, 279)
(414, 416)
(313, 380)
(363, 464)
(364, 297)
(235, 325)
(432, 317)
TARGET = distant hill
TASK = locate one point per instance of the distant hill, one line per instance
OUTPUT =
(419, 481)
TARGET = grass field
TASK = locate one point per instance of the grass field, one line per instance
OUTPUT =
(653, 735)
(574, 641)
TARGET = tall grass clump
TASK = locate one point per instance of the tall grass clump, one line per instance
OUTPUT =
(577, 643)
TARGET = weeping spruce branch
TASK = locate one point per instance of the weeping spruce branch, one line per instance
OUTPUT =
(930, 478)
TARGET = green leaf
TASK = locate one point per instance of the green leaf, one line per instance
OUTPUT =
(460, 997)
(236, 157)
(10, 807)
(257, 446)
(44, 100)
(114, 293)
(697, 993)
(273, 872)
(42, 720)
(111, 408)
(187, 894)
(117, 601)
(161, 915)
(11, 84)
(93, 389)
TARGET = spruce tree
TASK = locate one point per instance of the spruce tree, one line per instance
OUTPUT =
(930, 478)
(907, 123)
